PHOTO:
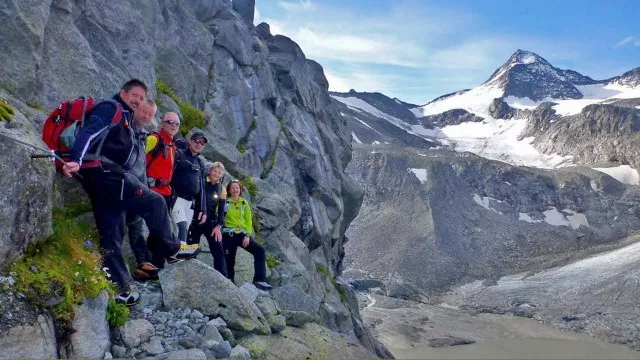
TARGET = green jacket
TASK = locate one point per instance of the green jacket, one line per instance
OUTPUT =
(239, 215)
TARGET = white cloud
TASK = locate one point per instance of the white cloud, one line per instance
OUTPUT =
(256, 16)
(626, 41)
(296, 6)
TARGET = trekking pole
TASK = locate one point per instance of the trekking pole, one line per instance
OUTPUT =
(50, 153)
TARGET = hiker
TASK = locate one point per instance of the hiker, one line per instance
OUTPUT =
(188, 184)
(160, 157)
(103, 155)
(142, 117)
(216, 196)
(237, 231)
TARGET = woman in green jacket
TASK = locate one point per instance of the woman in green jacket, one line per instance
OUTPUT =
(238, 231)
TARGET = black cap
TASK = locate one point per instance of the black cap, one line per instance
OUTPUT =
(199, 134)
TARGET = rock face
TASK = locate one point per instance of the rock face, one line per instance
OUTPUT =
(91, 339)
(601, 134)
(27, 199)
(431, 221)
(258, 92)
(30, 342)
(393, 107)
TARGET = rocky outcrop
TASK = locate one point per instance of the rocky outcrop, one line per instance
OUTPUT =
(450, 117)
(433, 219)
(189, 284)
(499, 109)
(600, 135)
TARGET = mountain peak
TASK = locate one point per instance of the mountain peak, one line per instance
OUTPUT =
(526, 57)
(528, 75)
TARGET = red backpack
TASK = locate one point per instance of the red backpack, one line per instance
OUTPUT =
(64, 123)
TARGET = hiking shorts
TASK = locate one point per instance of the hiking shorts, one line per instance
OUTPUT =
(182, 210)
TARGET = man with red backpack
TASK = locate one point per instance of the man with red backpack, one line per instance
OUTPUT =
(104, 154)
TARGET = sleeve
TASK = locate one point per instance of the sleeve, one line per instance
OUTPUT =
(203, 193)
(152, 141)
(248, 221)
(220, 217)
(96, 124)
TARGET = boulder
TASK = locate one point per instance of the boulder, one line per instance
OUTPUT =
(135, 332)
(91, 337)
(189, 284)
(183, 354)
(36, 341)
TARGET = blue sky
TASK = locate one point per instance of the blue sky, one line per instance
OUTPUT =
(418, 50)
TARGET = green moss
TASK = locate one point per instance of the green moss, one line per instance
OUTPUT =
(191, 117)
(250, 186)
(241, 148)
(163, 88)
(117, 314)
(256, 351)
(36, 105)
(323, 270)
(272, 261)
(339, 289)
(6, 111)
(66, 265)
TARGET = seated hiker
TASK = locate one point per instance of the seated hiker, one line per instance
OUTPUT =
(160, 155)
(237, 231)
(216, 196)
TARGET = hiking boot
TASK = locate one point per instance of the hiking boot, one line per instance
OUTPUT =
(187, 252)
(262, 285)
(146, 271)
(173, 260)
(128, 298)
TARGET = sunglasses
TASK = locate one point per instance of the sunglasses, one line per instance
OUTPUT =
(200, 141)
(172, 122)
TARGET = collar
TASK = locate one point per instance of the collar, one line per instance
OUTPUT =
(166, 136)
(126, 107)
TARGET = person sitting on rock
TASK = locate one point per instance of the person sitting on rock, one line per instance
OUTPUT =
(216, 196)
(237, 231)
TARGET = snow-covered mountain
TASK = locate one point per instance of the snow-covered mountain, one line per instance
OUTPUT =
(492, 119)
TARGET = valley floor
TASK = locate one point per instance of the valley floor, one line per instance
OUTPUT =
(407, 328)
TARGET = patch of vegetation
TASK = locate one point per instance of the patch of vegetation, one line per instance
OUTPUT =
(272, 261)
(249, 185)
(323, 270)
(241, 148)
(191, 115)
(339, 289)
(6, 111)
(163, 88)
(117, 314)
(65, 268)
(267, 165)
(36, 105)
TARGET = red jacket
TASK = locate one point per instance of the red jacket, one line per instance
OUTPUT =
(161, 153)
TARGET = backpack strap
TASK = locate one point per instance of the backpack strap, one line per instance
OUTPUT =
(114, 121)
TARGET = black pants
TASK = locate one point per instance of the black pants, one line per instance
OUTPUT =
(230, 242)
(112, 194)
(196, 230)
(146, 250)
